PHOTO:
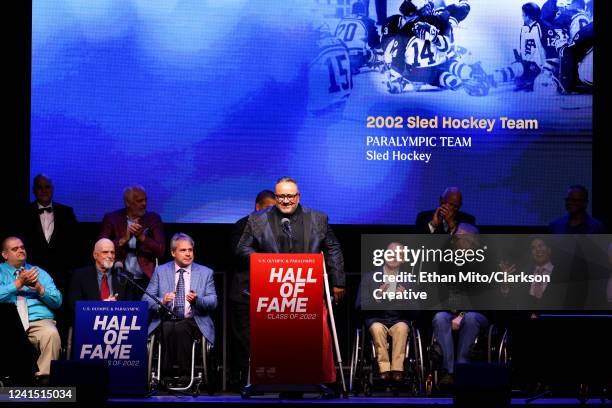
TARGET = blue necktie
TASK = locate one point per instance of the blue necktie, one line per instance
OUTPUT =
(179, 299)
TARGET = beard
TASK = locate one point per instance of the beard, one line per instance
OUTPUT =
(107, 263)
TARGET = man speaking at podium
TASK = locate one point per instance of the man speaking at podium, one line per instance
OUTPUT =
(288, 227)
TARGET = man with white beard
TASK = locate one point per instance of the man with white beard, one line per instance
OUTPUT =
(98, 281)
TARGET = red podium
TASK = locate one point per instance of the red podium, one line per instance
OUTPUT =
(291, 347)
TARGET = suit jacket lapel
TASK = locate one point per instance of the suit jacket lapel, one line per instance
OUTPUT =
(170, 278)
(56, 216)
(267, 231)
(38, 223)
(307, 225)
(92, 282)
(195, 278)
(115, 282)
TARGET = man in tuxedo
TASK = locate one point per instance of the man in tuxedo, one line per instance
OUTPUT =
(49, 232)
(138, 235)
(290, 228)
(239, 299)
(32, 290)
(188, 289)
(50, 228)
(98, 281)
(445, 218)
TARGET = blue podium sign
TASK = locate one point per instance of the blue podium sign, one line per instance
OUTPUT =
(117, 333)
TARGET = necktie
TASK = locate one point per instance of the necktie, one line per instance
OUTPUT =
(179, 299)
(104, 289)
(537, 288)
(22, 307)
(47, 209)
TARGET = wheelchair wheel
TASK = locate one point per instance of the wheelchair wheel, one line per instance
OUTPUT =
(150, 350)
(418, 362)
(367, 389)
(209, 367)
(356, 365)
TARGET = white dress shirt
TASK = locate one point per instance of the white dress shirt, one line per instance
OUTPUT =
(47, 221)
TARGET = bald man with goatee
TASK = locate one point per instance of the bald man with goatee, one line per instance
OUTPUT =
(98, 281)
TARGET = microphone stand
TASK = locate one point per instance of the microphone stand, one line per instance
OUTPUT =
(164, 311)
(286, 227)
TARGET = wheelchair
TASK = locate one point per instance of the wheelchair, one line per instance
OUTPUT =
(364, 371)
(492, 345)
(203, 368)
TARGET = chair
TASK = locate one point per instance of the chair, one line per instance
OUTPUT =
(364, 372)
(200, 374)
(491, 346)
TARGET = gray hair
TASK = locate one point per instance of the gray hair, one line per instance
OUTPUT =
(129, 190)
(286, 179)
(467, 229)
(180, 236)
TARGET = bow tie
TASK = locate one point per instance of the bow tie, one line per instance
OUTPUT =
(47, 209)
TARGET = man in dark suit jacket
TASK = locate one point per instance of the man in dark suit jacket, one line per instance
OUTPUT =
(290, 228)
(239, 299)
(188, 289)
(577, 220)
(98, 281)
(539, 296)
(50, 229)
(138, 235)
(445, 218)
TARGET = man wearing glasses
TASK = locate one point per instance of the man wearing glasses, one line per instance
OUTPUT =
(577, 220)
(287, 227)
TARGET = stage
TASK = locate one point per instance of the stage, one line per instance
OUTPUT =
(232, 400)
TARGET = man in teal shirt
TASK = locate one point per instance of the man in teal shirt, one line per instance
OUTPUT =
(35, 294)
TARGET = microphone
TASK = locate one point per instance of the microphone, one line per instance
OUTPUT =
(118, 267)
(286, 226)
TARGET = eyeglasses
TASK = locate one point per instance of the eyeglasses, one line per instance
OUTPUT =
(283, 197)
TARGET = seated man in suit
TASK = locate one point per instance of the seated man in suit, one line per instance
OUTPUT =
(188, 289)
(35, 294)
(445, 218)
(138, 234)
(98, 281)
(467, 323)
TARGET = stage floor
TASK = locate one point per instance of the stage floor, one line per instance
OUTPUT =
(231, 400)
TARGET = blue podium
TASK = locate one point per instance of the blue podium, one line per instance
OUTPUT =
(115, 332)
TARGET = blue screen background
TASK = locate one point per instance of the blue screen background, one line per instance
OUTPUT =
(206, 103)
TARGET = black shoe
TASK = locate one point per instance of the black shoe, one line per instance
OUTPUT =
(397, 376)
(385, 376)
(446, 380)
(292, 395)
(42, 380)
